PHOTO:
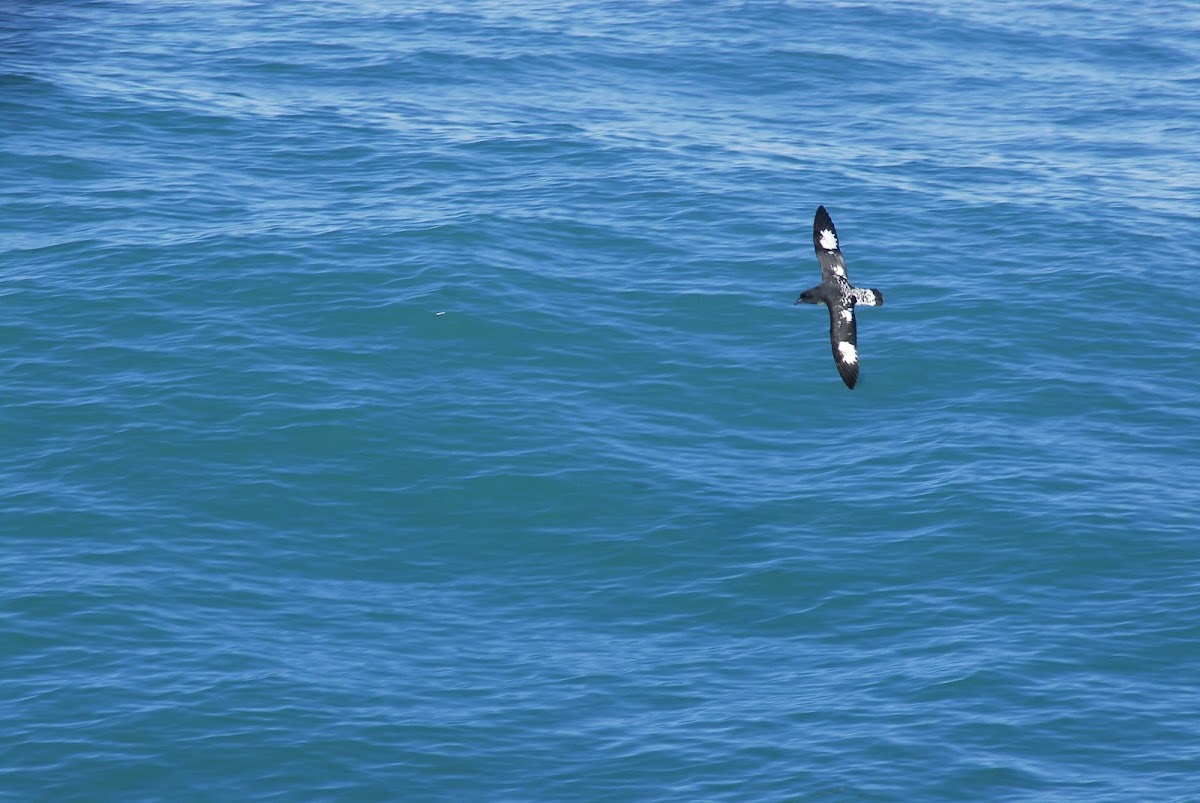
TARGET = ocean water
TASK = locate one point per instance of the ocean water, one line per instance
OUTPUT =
(406, 401)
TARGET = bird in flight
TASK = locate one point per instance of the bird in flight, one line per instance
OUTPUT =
(836, 292)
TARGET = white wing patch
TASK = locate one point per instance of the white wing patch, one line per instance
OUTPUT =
(828, 240)
(847, 315)
(848, 352)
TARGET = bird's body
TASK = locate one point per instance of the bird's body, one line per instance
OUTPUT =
(841, 297)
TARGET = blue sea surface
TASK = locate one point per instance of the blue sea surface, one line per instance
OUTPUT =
(406, 401)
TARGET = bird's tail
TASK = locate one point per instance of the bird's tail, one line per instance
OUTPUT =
(870, 298)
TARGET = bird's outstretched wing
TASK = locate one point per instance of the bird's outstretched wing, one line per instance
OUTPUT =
(825, 242)
(843, 336)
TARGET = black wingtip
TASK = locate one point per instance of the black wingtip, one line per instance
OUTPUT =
(822, 223)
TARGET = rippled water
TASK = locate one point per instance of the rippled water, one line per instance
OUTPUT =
(407, 401)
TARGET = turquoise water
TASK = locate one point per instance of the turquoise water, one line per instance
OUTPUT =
(407, 402)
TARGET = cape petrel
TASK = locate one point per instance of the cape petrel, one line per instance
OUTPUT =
(836, 292)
